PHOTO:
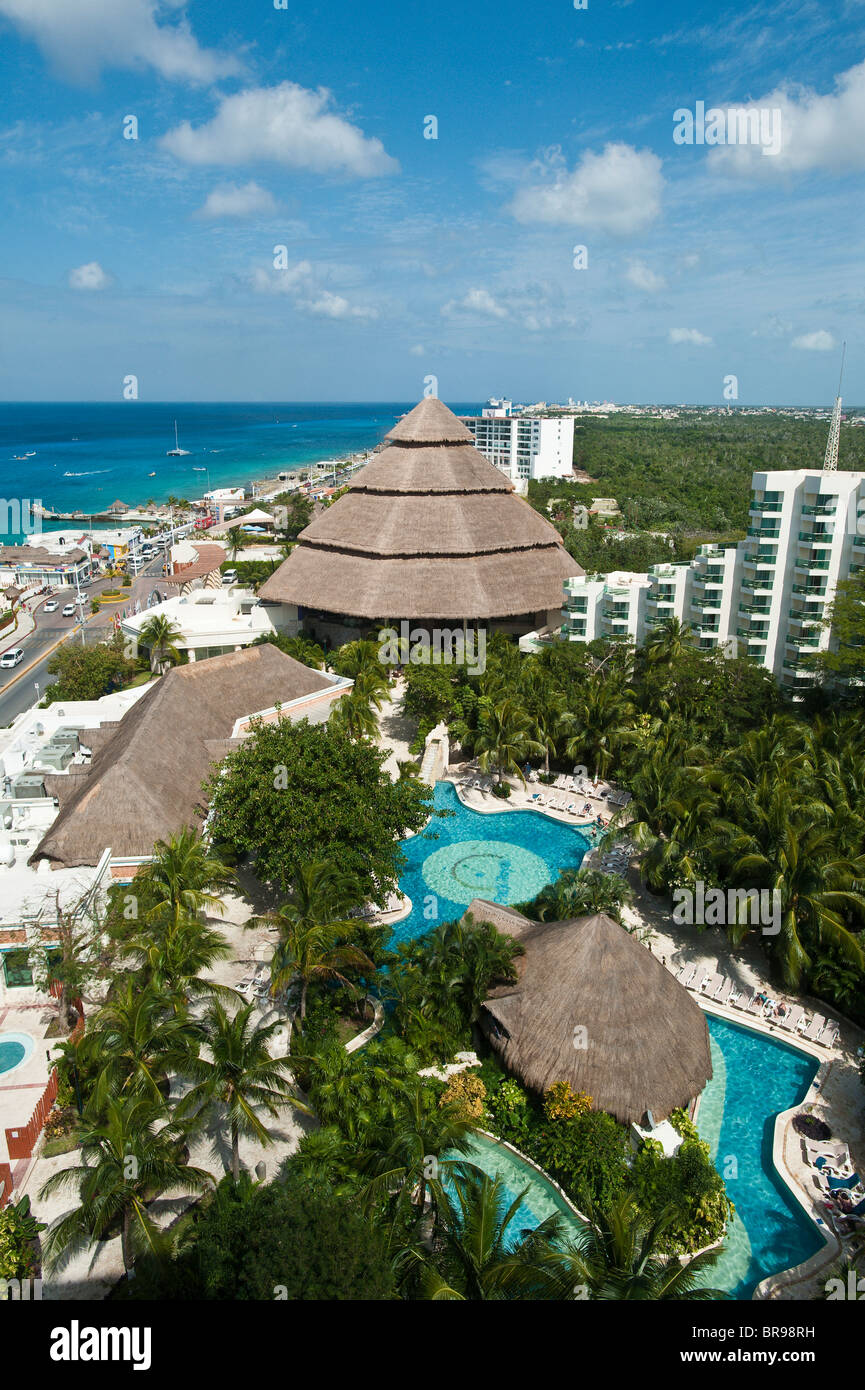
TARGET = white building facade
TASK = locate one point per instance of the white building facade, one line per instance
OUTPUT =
(763, 598)
(525, 446)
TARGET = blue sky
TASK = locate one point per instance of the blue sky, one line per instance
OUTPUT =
(303, 128)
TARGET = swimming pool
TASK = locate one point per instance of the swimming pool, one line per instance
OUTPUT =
(15, 1048)
(755, 1078)
(507, 857)
(542, 1199)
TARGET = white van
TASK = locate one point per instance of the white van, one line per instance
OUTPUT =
(229, 576)
(13, 657)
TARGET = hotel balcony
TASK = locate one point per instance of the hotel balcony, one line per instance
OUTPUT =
(820, 509)
(769, 533)
(824, 536)
(766, 506)
(811, 566)
(760, 584)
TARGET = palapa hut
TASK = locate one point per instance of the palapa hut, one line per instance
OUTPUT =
(593, 1007)
(429, 532)
(145, 780)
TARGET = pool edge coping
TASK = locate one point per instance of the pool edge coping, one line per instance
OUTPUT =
(832, 1247)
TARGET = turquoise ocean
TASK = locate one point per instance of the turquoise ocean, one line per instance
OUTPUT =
(72, 457)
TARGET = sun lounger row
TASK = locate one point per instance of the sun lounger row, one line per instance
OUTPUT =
(759, 1004)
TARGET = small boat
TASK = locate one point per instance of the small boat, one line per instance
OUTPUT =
(151, 475)
(31, 455)
(176, 452)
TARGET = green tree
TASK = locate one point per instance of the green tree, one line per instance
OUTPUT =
(314, 930)
(238, 1076)
(87, 673)
(128, 1157)
(293, 791)
(158, 636)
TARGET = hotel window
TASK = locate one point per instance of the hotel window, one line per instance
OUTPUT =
(16, 969)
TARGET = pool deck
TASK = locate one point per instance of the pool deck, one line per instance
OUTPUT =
(836, 1095)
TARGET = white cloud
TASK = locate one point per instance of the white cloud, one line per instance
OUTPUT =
(817, 132)
(689, 335)
(772, 327)
(417, 350)
(234, 200)
(89, 277)
(476, 304)
(83, 37)
(644, 278)
(282, 281)
(287, 125)
(336, 306)
(300, 281)
(820, 341)
(617, 191)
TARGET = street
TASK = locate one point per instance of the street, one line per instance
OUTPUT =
(18, 687)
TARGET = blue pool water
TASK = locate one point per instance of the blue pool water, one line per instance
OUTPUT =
(755, 1077)
(507, 857)
(14, 1049)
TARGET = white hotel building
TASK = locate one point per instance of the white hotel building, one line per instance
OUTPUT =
(762, 598)
(525, 446)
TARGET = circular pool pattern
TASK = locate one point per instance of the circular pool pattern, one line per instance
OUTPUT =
(15, 1048)
(492, 869)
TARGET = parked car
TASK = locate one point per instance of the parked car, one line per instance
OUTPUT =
(229, 576)
(69, 610)
(13, 657)
(51, 606)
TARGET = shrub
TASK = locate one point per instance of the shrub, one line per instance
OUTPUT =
(511, 1112)
(690, 1184)
(502, 790)
(19, 1243)
(466, 1093)
(563, 1103)
(586, 1155)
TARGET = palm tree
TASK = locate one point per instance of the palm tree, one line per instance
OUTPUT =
(354, 716)
(354, 658)
(598, 724)
(504, 739)
(419, 1131)
(668, 642)
(487, 1256)
(303, 649)
(578, 893)
(619, 1255)
(174, 962)
(127, 1158)
(158, 636)
(238, 1076)
(235, 538)
(183, 879)
(135, 1043)
(314, 928)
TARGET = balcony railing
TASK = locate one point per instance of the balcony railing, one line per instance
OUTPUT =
(823, 537)
(770, 532)
(820, 508)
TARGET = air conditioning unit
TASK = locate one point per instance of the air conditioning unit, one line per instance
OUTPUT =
(28, 786)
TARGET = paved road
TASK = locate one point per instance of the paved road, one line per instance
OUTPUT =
(17, 691)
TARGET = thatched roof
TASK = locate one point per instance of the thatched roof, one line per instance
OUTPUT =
(647, 1042)
(428, 530)
(145, 779)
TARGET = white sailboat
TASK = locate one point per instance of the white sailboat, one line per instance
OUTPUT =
(176, 452)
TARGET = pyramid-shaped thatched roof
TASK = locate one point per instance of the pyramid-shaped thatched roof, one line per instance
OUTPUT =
(647, 1042)
(428, 530)
(144, 782)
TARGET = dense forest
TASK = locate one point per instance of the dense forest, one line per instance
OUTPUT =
(690, 477)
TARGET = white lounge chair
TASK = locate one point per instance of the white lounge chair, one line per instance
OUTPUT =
(815, 1028)
(791, 1020)
(722, 995)
(686, 974)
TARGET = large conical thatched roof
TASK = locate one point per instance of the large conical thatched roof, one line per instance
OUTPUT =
(647, 1042)
(145, 780)
(428, 530)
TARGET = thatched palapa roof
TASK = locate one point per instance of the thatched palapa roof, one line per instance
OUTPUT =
(428, 530)
(145, 779)
(647, 1042)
